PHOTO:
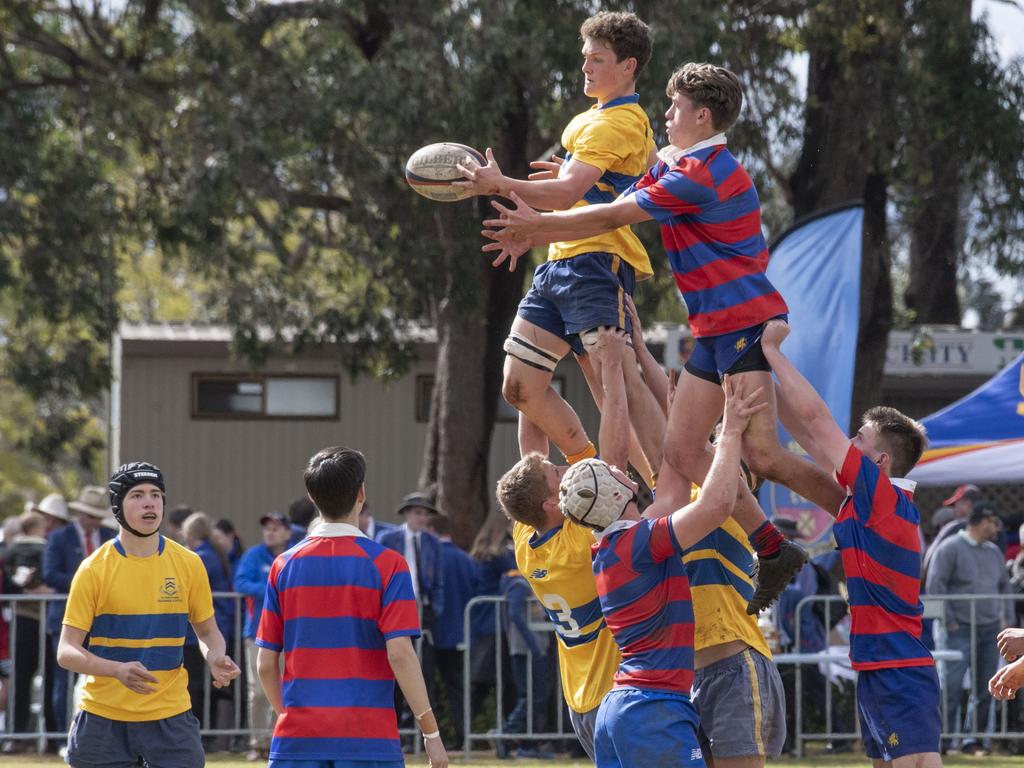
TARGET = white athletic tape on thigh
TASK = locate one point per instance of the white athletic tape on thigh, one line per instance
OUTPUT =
(530, 353)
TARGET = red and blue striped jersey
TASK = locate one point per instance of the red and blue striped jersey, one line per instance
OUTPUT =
(877, 534)
(645, 598)
(331, 603)
(710, 218)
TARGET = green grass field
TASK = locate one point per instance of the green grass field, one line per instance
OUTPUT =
(486, 761)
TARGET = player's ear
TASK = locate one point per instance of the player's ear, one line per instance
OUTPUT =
(361, 495)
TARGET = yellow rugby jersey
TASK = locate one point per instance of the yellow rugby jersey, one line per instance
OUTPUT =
(559, 568)
(719, 568)
(138, 609)
(616, 138)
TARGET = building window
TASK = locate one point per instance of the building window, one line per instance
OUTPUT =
(235, 396)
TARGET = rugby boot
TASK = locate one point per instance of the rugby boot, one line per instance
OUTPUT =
(771, 575)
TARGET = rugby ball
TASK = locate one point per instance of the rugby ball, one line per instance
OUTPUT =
(431, 170)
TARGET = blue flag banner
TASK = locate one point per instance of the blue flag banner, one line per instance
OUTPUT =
(816, 268)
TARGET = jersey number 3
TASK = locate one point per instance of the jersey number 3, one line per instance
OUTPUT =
(561, 615)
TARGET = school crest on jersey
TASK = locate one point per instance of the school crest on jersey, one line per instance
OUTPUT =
(169, 590)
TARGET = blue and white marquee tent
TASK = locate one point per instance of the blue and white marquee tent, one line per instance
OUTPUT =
(979, 438)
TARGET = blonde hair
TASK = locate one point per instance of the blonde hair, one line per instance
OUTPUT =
(523, 490)
(197, 527)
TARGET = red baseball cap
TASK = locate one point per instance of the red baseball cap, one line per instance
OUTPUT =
(971, 491)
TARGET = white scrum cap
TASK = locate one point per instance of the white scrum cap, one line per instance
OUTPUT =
(591, 495)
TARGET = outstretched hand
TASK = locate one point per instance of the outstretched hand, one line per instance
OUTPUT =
(740, 407)
(510, 231)
(637, 333)
(480, 179)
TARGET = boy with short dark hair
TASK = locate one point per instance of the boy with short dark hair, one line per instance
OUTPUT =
(349, 609)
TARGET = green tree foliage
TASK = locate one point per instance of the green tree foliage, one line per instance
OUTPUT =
(241, 162)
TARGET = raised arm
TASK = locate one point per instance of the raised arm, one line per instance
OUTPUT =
(718, 494)
(803, 402)
(613, 438)
(654, 375)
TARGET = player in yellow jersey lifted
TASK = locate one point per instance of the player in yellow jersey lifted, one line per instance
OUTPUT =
(584, 282)
(134, 598)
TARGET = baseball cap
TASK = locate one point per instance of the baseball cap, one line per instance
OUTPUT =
(972, 492)
(275, 517)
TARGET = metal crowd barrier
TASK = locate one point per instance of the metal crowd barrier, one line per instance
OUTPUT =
(40, 735)
(497, 734)
(934, 608)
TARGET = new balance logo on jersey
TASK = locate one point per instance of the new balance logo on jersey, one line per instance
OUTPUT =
(540, 573)
(696, 754)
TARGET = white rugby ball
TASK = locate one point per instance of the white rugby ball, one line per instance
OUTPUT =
(431, 170)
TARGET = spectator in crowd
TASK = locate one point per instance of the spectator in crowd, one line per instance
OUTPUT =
(494, 557)
(969, 563)
(1016, 567)
(251, 580)
(370, 525)
(962, 501)
(301, 513)
(175, 520)
(459, 574)
(528, 651)
(23, 574)
(66, 547)
(227, 542)
(422, 552)
(197, 529)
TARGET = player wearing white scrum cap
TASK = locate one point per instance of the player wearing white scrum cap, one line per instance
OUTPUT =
(644, 592)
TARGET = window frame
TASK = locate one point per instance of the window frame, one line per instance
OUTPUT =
(262, 379)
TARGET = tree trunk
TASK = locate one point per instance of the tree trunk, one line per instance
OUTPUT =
(846, 153)
(936, 156)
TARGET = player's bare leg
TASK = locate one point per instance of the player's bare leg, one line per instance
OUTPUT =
(528, 389)
(696, 408)
(768, 459)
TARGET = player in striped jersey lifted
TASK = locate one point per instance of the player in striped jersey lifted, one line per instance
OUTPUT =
(710, 220)
(878, 533)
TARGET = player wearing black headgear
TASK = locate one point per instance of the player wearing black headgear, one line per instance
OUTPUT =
(127, 477)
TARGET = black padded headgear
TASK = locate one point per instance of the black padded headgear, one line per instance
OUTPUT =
(127, 477)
